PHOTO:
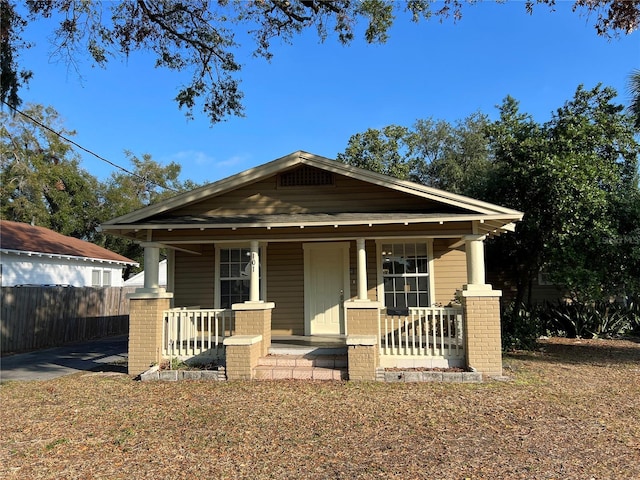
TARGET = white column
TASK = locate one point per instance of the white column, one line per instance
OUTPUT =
(362, 269)
(254, 277)
(474, 247)
(151, 266)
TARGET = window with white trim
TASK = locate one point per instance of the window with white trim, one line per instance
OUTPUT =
(96, 278)
(235, 265)
(405, 275)
(100, 278)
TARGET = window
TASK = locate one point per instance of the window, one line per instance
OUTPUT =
(95, 278)
(106, 278)
(405, 275)
(234, 275)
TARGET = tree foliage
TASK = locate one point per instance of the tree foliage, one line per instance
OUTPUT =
(41, 182)
(575, 178)
(40, 177)
(201, 36)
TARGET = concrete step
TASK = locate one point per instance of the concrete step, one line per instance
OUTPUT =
(307, 360)
(309, 366)
(270, 372)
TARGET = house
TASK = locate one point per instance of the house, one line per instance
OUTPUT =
(35, 256)
(308, 246)
(137, 280)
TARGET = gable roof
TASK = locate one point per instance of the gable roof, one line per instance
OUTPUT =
(299, 158)
(24, 238)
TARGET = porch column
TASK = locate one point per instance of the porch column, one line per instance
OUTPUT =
(481, 307)
(151, 268)
(254, 276)
(362, 269)
(474, 246)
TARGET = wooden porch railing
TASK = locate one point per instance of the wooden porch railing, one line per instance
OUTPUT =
(191, 332)
(423, 332)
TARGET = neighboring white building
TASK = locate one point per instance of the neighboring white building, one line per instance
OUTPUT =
(31, 255)
(137, 280)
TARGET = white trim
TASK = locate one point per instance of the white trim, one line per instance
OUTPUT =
(262, 246)
(346, 280)
(27, 253)
(428, 241)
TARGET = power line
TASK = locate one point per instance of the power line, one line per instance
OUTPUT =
(87, 150)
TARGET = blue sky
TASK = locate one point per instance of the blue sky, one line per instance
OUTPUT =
(314, 96)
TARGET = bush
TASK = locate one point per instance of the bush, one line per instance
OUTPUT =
(591, 320)
(523, 325)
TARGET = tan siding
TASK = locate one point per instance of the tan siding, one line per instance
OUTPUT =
(347, 195)
(285, 287)
(450, 271)
(194, 278)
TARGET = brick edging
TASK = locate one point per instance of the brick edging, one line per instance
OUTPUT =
(395, 376)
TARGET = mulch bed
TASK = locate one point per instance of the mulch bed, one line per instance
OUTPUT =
(570, 411)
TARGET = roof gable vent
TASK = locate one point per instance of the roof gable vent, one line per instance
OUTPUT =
(306, 177)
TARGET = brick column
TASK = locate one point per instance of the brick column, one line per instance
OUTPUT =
(483, 342)
(363, 317)
(145, 330)
(242, 353)
(363, 357)
(254, 318)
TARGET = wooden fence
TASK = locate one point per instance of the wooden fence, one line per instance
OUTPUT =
(40, 317)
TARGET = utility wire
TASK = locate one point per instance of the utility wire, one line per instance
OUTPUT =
(87, 150)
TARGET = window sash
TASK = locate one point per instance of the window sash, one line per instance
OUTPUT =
(405, 275)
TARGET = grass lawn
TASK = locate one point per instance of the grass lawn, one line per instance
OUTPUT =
(570, 411)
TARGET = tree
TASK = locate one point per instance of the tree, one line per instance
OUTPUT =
(199, 36)
(41, 182)
(382, 151)
(575, 178)
(40, 177)
(150, 183)
(434, 153)
(634, 93)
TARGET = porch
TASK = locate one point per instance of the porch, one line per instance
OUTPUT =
(418, 338)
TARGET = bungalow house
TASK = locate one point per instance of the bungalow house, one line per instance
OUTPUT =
(36, 256)
(308, 246)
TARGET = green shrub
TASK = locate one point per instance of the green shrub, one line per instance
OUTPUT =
(521, 327)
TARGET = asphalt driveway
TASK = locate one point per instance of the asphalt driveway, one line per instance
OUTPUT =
(107, 354)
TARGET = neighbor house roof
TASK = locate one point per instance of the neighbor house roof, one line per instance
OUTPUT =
(23, 238)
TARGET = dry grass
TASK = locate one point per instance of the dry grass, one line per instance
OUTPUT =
(571, 411)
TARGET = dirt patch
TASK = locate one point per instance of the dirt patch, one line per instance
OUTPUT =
(570, 411)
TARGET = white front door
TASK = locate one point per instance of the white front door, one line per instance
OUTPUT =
(326, 286)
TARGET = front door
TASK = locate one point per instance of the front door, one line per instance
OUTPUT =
(326, 285)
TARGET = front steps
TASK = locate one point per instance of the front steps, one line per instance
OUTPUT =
(300, 363)
(302, 367)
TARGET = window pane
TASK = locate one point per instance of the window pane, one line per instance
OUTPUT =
(421, 249)
(422, 265)
(235, 270)
(95, 278)
(106, 278)
(423, 283)
(235, 254)
(412, 300)
(400, 301)
(410, 249)
(389, 300)
(411, 285)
